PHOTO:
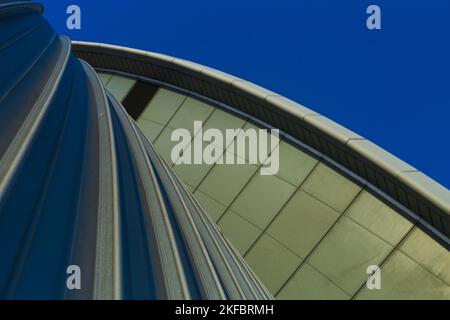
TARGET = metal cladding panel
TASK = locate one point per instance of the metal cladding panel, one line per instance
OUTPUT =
(81, 185)
(388, 174)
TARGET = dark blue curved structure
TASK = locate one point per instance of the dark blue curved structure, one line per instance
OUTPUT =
(80, 185)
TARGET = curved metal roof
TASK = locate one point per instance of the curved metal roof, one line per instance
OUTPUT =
(395, 180)
(80, 185)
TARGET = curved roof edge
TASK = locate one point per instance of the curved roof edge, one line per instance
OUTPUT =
(404, 183)
(9, 7)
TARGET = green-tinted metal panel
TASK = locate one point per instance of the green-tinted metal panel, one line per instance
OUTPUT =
(402, 278)
(308, 284)
(239, 231)
(302, 223)
(104, 78)
(150, 128)
(428, 253)
(191, 110)
(224, 182)
(330, 187)
(211, 206)
(164, 145)
(346, 252)
(195, 173)
(378, 218)
(162, 106)
(250, 142)
(120, 86)
(295, 165)
(222, 121)
(272, 262)
(192, 173)
(262, 199)
(337, 266)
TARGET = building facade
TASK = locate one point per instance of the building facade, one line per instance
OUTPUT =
(72, 144)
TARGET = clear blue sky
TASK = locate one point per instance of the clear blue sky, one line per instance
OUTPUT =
(391, 85)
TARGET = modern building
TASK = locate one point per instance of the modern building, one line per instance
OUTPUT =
(82, 182)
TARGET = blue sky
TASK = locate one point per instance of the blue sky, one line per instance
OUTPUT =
(391, 85)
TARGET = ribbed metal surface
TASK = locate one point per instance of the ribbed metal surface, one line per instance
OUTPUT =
(81, 185)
